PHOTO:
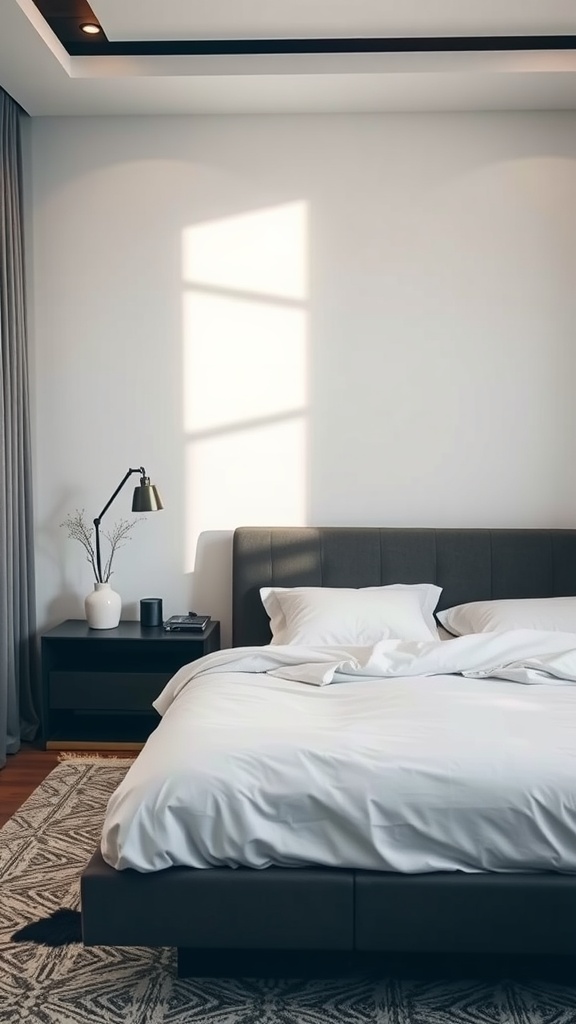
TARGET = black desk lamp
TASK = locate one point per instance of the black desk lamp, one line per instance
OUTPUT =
(146, 499)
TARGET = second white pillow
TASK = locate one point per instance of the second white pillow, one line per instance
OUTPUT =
(555, 613)
(357, 617)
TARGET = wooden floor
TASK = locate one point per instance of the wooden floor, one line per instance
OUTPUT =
(25, 771)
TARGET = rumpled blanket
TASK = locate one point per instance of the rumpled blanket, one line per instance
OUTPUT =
(526, 656)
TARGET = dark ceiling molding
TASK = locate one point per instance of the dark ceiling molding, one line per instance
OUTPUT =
(232, 47)
(65, 18)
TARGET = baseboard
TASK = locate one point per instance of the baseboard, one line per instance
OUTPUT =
(92, 745)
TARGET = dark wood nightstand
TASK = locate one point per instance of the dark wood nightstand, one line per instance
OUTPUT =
(98, 684)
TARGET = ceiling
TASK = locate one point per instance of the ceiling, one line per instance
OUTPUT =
(287, 56)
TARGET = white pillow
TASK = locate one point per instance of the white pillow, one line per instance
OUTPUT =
(322, 616)
(555, 613)
(443, 634)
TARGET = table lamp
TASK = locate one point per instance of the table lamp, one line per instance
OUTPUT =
(145, 499)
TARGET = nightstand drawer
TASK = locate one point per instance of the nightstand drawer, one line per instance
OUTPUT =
(98, 685)
(110, 691)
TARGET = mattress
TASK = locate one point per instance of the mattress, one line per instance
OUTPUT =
(379, 761)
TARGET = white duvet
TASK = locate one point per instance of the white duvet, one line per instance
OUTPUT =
(406, 756)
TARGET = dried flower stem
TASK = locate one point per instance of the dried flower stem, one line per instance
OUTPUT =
(117, 536)
(79, 529)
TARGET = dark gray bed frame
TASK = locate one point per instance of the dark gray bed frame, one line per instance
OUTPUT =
(329, 910)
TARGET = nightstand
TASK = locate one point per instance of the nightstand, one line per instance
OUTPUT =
(98, 684)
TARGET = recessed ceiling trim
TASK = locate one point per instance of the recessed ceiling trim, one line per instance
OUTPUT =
(226, 47)
(46, 81)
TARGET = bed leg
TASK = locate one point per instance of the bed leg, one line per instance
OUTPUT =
(216, 963)
(263, 963)
(185, 962)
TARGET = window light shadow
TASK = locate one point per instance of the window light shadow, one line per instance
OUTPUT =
(245, 371)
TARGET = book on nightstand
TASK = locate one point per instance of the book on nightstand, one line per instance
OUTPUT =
(186, 623)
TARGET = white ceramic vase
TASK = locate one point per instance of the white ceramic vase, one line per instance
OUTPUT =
(103, 607)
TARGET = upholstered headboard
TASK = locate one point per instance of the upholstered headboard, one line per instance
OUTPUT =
(470, 565)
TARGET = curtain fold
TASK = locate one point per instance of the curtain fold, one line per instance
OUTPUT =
(19, 685)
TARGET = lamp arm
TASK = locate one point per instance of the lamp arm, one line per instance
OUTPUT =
(98, 519)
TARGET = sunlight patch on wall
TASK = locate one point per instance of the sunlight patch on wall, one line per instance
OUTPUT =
(245, 370)
(262, 252)
(253, 477)
(252, 356)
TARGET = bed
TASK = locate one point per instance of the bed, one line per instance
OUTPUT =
(351, 910)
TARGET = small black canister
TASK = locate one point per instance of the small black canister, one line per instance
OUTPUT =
(151, 611)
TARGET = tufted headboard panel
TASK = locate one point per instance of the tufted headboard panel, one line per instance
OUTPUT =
(470, 565)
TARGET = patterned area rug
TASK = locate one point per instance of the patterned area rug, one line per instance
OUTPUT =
(43, 849)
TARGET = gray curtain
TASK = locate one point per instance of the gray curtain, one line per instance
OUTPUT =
(19, 711)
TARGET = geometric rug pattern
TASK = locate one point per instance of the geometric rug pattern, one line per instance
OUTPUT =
(43, 850)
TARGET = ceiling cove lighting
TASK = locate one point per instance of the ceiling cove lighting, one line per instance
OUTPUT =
(90, 28)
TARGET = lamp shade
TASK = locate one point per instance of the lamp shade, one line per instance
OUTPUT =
(146, 497)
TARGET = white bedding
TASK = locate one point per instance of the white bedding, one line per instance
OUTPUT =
(383, 758)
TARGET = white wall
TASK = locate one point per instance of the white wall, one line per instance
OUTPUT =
(325, 320)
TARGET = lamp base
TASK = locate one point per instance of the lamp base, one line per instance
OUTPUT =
(103, 607)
